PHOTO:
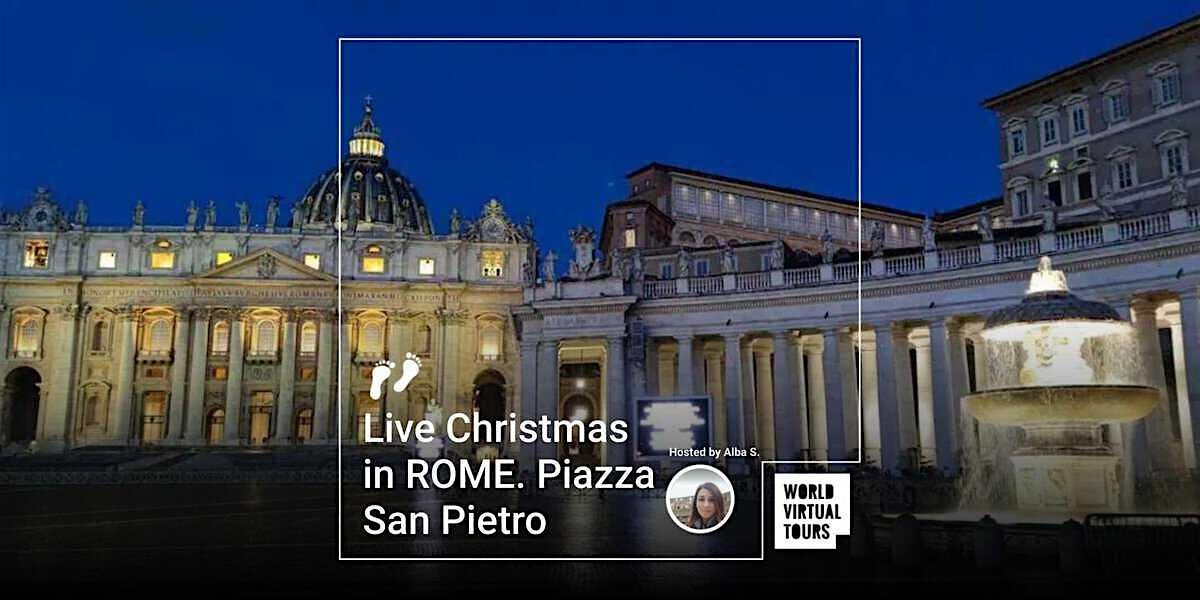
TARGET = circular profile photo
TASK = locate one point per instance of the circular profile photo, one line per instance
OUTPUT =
(700, 499)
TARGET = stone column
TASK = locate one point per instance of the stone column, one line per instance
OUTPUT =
(686, 381)
(944, 419)
(452, 322)
(1189, 329)
(327, 361)
(285, 426)
(667, 385)
(5, 320)
(784, 401)
(749, 396)
(1157, 423)
(547, 400)
(802, 427)
(714, 374)
(393, 401)
(652, 385)
(53, 436)
(872, 446)
(197, 375)
(346, 406)
(925, 413)
(818, 418)
(733, 391)
(831, 363)
(889, 409)
(529, 383)
(179, 372)
(959, 385)
(905, 401)
(848, 374)
(233, 385)
(1186, 432)
(1132, 436)
(122, 400)
(616, 411)
(764, 403)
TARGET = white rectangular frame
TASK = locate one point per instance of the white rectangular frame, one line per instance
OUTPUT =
(858, 332)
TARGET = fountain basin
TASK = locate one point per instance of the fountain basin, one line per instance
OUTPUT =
(1071, 403)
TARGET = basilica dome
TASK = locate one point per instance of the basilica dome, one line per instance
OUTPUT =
(376, 196)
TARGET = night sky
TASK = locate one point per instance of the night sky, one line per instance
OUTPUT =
(170, 102)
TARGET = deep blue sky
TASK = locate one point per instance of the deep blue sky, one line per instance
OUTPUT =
(167, 102)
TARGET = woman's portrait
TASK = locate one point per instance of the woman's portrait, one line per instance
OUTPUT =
(708, 507)
(700, 499)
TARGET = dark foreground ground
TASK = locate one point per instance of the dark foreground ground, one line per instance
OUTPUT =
(281, 539)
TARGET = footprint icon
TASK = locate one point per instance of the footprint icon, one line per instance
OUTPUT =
(408, 371)
(382, 370)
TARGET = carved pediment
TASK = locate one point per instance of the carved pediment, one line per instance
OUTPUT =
(266, 265)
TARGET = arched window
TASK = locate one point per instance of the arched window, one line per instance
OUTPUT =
(490, 342)
(160, 336)
(371, 340)
(220, 341)
(687, 239)
(28, 337)
(711, 241)
(264, 337)
(308, 338)
(100, 336)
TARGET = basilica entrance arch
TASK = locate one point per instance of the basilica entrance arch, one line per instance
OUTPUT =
(23, 395)
(490, 404)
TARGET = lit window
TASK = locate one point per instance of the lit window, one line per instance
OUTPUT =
(308, 338)
(371, 338)
(425, 266)
(163, 258)
(220, 341)
(160, 336)
(492, 264)
(220, 373)
(489, 343)
(28, 337)
(264, 337)
(313, 261)
(223, 257)
(372, 259)
(631, 238)
(108, 259)
(37, 254)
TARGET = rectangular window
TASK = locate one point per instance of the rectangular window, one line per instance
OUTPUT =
(220, 373)
(667, 271)
(308, 373)
(107, 259)
(372, 264)
(1049, 127)
(1124, 174)
(764, 262)
(312, 261)
(1016, 142)
(631, 238)
(1054, 192)
(1117, 108)
(1173, 160)
(1021, 202)
(1083, 185)
(1079, 119)
(37, 254)
(162, 260)
(492, 263)
(425, 266)
(223, 256)
(701, 268)
(1166, 89)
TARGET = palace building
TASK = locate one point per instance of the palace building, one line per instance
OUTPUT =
(695, 284)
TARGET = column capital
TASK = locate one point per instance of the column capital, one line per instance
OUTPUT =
(735, 337)
(1143, 306)
(684, 337)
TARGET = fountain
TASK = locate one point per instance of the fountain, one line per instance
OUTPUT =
(1061, 368)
